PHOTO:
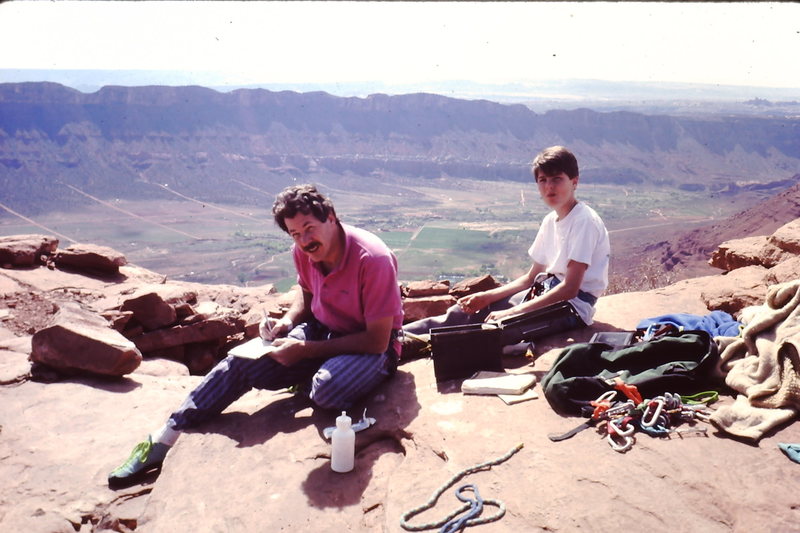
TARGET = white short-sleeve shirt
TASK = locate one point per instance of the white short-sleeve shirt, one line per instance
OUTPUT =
(581, 236)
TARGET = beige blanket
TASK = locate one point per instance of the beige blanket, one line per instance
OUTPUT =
(763, 366)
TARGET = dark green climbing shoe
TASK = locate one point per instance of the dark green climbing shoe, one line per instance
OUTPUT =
(145, 457)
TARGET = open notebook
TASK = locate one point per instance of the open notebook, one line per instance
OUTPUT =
(252, 349)
(511, 388)
(497, 383)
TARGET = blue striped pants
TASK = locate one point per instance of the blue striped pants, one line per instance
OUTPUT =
(335, 383)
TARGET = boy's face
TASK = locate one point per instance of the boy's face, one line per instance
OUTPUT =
(557, 191)
(319, 240)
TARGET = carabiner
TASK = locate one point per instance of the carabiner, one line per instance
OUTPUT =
(620, 443)
(704, 415)
(621, 409)
(673, 401)
(649, 419)
(606, 396)
(614, 426)
(602, 404)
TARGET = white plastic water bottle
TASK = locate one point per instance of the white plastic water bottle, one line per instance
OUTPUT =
(343, 445)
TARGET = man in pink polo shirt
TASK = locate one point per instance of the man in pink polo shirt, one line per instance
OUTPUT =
(339, 338)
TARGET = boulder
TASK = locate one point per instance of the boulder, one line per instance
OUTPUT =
(153, 306)
(472, 285)
(784, 271)
(203, 331)
(418, 308)
(90, 258)
(771, 255)
(738, 253)
(118, 319)
(25, 250)
(736, 290)
(419, 289)
(787, 237)
(150, 310)
(81, 340)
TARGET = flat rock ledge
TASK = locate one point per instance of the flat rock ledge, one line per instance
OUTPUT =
(263, 465)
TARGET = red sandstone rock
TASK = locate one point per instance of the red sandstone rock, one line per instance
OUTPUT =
(471, 285)
(91, 258)
(744, 252)
(419, 289)
(268, 464)
(417, 308)
(787, 237)
(151, 311)
(203, 331)
(737, 289)
(82, 340)
(25, 250)
(784, 271)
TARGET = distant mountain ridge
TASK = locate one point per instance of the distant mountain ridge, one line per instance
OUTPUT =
(117, 140)
(565, 91)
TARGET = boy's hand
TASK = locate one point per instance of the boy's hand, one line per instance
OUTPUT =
(270, 329)
(473, 303)
(494, 316)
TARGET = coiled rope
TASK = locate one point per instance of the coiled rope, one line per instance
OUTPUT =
(478, 503)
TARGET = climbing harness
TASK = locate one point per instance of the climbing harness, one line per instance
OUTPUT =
(450, 524)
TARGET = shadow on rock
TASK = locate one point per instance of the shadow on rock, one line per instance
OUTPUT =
(120, 384)
(279, 416)
(394, 407)
(95, 273)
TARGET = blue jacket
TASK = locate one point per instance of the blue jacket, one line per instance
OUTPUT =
(716, 323)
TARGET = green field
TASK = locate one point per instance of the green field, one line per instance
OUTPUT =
(441, 228)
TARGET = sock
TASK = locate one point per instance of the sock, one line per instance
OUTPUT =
(165, 435)
(792, 451)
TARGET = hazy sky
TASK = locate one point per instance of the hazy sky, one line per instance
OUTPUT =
(401, 42)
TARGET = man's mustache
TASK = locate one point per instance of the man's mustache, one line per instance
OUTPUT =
(310, 247)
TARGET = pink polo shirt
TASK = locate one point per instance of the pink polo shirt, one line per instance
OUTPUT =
(363, 287)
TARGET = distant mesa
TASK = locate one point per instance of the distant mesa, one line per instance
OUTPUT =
(116, 141)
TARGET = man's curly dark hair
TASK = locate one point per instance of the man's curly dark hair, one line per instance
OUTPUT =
(305, 199)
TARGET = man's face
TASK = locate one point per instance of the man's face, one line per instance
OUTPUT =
(557, 190)
(317, 239)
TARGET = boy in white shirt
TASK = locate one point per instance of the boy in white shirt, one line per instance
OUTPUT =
(571, 249)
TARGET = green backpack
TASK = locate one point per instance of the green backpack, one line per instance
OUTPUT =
(682, 363)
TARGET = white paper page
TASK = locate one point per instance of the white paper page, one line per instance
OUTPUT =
(252, 349)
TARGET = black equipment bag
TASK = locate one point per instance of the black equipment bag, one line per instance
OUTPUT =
(532, 325)
(681, 363)
(460, 351)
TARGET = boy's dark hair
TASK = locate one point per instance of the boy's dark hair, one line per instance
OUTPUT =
(554, 160)
(305, 199)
